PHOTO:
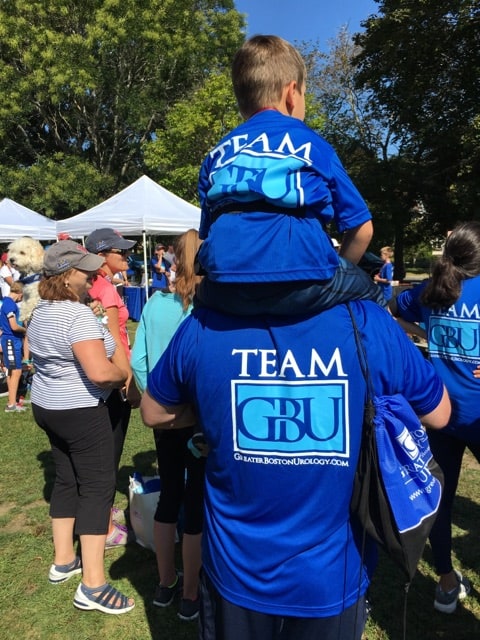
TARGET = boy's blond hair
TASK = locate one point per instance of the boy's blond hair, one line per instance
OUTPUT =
(16, 287)
(261, 68)
(387, 250)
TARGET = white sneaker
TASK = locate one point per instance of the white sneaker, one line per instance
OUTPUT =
(446, 601)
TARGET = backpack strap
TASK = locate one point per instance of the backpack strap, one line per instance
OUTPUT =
(367, 439)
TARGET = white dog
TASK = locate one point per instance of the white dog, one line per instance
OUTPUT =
(26, 255)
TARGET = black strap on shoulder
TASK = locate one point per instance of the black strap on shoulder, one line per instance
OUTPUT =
(369, 414)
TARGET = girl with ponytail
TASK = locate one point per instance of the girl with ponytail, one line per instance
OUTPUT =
(448, 304)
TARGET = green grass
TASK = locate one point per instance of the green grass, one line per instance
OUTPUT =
(31, 608)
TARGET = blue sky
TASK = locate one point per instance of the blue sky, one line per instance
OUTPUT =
(297, 20)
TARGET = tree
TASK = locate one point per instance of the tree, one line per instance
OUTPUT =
(85, 84)
(192, 127)
(421, 59)
(363, 139)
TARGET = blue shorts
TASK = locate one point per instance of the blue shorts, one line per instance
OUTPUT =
(12, 353)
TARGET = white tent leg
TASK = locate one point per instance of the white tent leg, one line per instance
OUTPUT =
(146, 274)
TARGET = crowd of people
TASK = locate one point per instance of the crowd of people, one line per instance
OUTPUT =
(251, 352)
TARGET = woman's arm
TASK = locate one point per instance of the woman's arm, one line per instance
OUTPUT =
(98, 368)
(133, 394)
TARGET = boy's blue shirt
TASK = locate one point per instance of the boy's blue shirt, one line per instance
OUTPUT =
(8, 307)
(274, 159)
(386, 272)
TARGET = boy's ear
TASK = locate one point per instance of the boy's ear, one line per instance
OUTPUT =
(291, 95)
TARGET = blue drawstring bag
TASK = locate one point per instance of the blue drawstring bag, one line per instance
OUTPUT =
(398, 484)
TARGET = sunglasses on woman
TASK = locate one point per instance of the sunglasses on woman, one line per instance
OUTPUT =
(120, 252)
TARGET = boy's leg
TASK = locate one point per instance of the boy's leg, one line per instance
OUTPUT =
(350, 283)
(290, 298)
(12, 355)
(13, 380)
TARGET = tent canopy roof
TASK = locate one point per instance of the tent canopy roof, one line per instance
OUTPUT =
(17, 221)
(142, 207)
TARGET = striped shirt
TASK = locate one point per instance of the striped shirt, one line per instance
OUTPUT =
(59, 381)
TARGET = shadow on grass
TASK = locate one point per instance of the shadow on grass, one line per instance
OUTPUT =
(144, 462)
(387, 592)
(46, 460)
(138, 566)
(387, 597)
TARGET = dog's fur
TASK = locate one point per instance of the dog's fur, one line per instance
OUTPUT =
(26, 255)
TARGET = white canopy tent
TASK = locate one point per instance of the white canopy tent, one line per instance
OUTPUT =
(17, 221)
(142, 208)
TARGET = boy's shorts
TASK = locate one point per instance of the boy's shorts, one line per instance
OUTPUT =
(12, 353)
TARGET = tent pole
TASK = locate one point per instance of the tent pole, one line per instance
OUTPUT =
(146, 274)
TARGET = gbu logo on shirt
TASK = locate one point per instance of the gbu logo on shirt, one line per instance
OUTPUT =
(454, 337)
(291, 418)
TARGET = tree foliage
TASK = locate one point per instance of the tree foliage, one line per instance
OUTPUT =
(192, 127)
(421, 59)
(85, 84)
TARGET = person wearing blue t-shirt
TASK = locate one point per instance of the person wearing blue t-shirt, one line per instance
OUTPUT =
(181, 472)
(12, 337)
(160, 269)
(448, 305)
(385, 277)
(268, 190)
(280, 403)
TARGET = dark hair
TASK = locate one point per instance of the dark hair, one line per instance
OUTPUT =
(460, 260)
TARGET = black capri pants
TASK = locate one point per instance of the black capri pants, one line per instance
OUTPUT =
(82, 450)
(176, 487)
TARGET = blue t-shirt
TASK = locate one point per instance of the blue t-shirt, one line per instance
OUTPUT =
(159, 280)
(8, 309)
(160, 318)
(386, 272)
(275, 160)
(454, 347)
(280, 401)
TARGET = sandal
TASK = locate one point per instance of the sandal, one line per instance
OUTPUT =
(104, 598)
(118, 537)
(62, 572)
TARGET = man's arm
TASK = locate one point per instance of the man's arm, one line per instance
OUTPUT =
(355, 242)
(159, 416)
(439, 417)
